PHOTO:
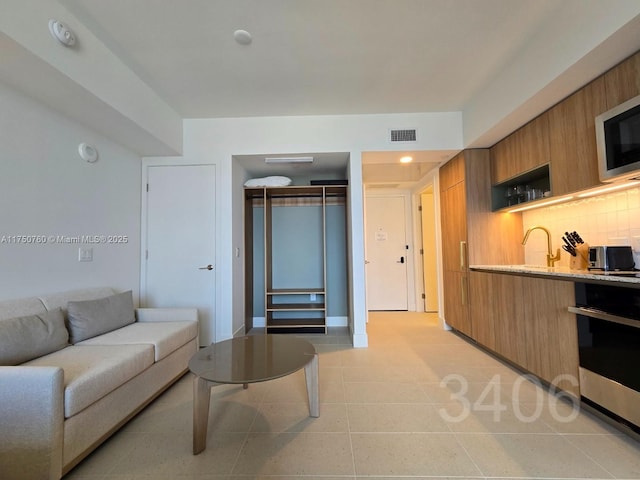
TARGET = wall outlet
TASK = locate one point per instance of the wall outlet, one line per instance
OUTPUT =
(85, 254)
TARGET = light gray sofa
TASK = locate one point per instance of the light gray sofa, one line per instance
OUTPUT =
(72, 374)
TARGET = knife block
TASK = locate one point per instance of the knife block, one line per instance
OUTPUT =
(581, 260)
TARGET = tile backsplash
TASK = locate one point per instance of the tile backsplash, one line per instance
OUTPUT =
(608, 219)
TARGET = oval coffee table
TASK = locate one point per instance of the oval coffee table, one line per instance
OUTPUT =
(244, 360)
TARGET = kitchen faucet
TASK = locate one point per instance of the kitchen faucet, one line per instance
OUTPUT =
(551, 259)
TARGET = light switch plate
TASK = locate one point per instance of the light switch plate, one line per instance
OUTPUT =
(85, 254)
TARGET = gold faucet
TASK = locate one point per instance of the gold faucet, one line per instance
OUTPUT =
(551, 259)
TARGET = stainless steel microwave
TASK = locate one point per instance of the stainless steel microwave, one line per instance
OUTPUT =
(618, 142)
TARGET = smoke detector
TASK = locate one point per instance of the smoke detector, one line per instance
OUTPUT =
(62, 33)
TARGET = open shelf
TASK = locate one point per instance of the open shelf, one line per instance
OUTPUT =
(503, 197)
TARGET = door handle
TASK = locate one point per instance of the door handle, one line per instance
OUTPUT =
(208, 267)
(463, 255)
(401, 260)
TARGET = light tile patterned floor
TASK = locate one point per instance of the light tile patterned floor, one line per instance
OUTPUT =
(419, 403)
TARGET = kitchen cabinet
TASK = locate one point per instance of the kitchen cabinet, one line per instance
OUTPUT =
(498, 315)
(622, 82)
(454, 254)
(572, 141)
(481, 302)
(525, 320)
(469, 230)
(524, 150)
(551, 331)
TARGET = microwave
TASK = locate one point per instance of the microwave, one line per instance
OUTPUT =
(618, 142)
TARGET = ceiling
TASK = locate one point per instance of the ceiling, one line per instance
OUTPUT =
(342, 57)
(314, 57)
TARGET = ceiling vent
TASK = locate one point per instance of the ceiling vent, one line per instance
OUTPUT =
(402, 136)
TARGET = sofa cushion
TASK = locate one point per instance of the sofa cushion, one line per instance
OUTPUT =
(91, 372)
(19, 307)
(166, 337)
(28, 337)
(61, 299)
(88, 318)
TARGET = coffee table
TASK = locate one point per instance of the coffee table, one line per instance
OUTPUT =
(245, 360)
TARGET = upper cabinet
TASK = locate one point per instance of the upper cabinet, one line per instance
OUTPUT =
(574, 160)
(623, 81)
(562, 138)
(522, 151)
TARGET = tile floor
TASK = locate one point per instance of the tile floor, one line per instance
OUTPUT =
(419, 403)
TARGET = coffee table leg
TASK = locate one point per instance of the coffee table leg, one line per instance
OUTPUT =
(201, 397)
(311, 376)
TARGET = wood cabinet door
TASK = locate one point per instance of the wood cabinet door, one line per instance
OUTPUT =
(574, 162)
(451, 172)
(481, 309)
(454, 231)
(509, 319)
(503, 158)
(551, 331)
(533, 144)
(454, 227)
(456, 301)
(623, 81)
(522, 151)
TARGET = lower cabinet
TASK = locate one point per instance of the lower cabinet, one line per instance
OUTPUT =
(551, 331)
(456, 300)
(526, 321)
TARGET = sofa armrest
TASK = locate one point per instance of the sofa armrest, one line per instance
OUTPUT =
(167, 314)
(31, 422)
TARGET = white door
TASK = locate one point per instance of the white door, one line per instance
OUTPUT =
(387, 253)
(180, 242)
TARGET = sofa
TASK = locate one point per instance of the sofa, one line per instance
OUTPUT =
(76, 366)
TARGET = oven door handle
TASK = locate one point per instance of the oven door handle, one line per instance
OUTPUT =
(608, 317)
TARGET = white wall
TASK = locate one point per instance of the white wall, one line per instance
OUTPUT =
(218, 140)
(87, 82)
(48, 190)
(612, 219)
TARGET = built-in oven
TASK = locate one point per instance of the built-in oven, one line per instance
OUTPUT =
(608, 319)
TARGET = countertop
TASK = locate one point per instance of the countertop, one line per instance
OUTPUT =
(563, 273)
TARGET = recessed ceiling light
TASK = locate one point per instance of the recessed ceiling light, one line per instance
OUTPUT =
(242, 37)
(406, 159)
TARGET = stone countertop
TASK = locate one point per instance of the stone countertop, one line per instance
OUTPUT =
(563, 273)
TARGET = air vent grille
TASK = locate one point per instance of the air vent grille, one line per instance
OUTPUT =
(404, 135)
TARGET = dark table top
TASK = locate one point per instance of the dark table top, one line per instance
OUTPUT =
(252, 358)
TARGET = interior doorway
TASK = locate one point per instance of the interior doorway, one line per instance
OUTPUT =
(428, 219)
(387, 250)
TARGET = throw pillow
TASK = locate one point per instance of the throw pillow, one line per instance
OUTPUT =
(89, 318)
(32, 336)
